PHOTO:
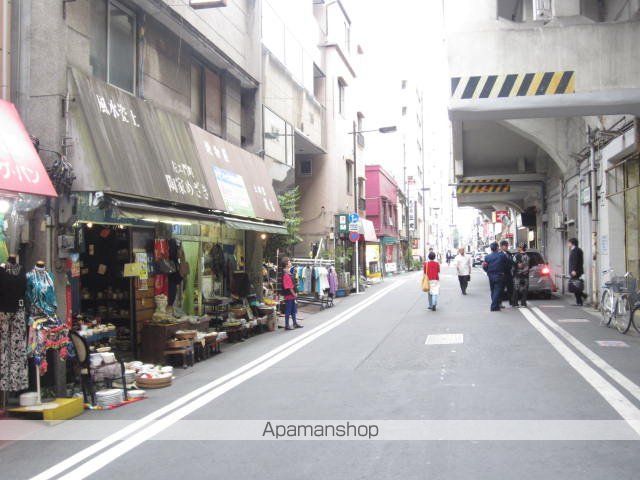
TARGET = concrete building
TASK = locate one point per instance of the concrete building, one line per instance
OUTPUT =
(543, 100)
(382, 209)
(201, 66)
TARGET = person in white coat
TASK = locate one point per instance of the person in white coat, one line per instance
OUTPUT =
(463, 266)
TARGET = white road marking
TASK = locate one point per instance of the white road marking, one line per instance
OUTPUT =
(612, 395)
(573, 320)
(195, 400)
(552, 306)
(612, 343)
(614, 374)
(444, 339)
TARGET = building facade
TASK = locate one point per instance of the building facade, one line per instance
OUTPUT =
(148, 115)
(382, 203)
(543, 129)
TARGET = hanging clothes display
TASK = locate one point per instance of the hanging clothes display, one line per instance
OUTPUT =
(45, 330)
(41, 293)
(333, 281)
(13, 328)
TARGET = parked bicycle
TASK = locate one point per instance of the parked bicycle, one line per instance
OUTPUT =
(618, 301)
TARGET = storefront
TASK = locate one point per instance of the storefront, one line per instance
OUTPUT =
(372, 251)
(164, 223)
(390, 254)
(24, 186)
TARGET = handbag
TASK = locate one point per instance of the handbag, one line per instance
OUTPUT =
(166, 266)
(425, 283)
(576, 285)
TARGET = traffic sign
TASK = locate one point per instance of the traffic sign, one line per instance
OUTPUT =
(354, 217)
(354, 236)
(353, 227)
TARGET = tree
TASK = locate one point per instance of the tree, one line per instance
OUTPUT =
(289, 202)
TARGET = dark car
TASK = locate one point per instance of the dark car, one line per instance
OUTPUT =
(540, 280)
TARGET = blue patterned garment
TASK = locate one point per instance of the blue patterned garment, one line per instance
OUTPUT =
(41, 293)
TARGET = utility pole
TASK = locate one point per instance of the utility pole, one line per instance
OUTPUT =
(355, 202)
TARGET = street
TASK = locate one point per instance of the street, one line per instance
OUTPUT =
(367, 361)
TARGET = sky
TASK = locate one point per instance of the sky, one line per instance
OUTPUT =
(405, 39)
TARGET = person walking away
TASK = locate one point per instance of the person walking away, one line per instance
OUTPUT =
(495, 264)
(448, 257)
(508, 277)
(289, 291)
(462, 263)
(432, 271)
(576, 270)
(521, 276)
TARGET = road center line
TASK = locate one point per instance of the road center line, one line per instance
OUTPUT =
(614, 374)
(612, 395)
(209, 392)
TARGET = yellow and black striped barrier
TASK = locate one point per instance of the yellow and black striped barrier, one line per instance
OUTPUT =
(499, 185)
(513, 85)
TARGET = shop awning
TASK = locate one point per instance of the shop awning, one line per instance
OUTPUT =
(158, 213)
(129, 148)
(369, 230)
(21, 169)
(256, 226)
(238, 180)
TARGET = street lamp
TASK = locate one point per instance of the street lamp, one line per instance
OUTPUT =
(355, 133)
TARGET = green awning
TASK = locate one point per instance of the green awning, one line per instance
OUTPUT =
(256, 226)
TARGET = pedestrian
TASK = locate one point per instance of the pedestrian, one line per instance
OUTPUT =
(576, 270)
(289, 291)
(449, 256)
(462, 263)
(495, 264)
(521, 275)
(431, 269)
(508, 277)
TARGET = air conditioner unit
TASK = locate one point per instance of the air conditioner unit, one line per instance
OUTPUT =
(542, 10)
(557, 220)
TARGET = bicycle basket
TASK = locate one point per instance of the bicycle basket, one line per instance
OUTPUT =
(619, 284)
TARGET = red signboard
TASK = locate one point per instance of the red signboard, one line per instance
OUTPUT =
(499, 214)
(21, 169)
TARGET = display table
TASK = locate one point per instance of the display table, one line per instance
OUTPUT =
(155, 336)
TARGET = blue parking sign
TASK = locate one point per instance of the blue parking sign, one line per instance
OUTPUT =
(354, 217)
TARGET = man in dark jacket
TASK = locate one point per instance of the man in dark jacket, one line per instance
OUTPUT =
(576, 269)
(508, 274)
(496, 265)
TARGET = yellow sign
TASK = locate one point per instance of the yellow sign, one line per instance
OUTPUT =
(133, 269)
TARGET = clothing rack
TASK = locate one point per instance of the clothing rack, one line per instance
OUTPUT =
(324, 300)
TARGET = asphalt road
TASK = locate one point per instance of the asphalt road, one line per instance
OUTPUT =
(525, 393)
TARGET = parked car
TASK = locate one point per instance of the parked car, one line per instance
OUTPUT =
(478, 258)
(540, 280)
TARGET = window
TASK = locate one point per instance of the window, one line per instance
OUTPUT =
(349, 177)
(306, 167)
(212, 102)
(197, 106)
(341, 95)
(113, 44)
